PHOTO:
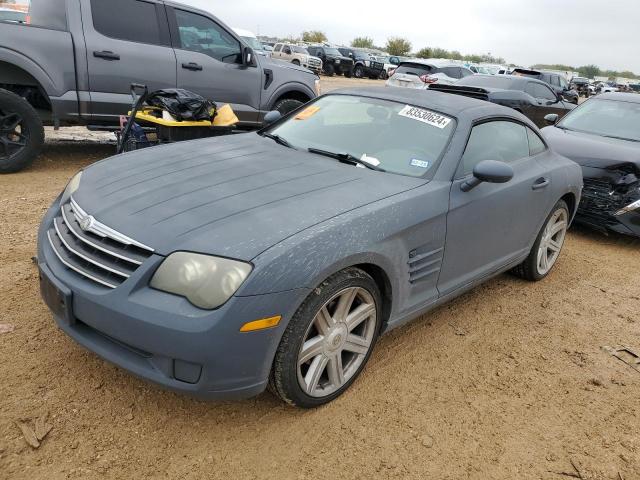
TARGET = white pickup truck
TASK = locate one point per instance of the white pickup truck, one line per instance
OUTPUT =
(297, 55)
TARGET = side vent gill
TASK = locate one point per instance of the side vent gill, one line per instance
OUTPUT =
(423, 264)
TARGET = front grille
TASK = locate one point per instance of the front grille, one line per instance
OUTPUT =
(314, 62)
(376, 65)
(93, 250)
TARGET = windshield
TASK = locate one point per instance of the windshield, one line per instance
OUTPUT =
(393, 136)
(608, 118)
(332, 51)
(253, 43)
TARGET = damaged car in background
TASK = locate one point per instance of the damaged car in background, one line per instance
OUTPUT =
(603, 136)
(533, 98)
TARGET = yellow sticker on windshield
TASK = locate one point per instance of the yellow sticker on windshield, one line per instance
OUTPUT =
(307, 113)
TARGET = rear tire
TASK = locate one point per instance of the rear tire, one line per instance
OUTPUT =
(547, 247)
(287, 105)
(348, 73)
(316, 360)
(21, 133)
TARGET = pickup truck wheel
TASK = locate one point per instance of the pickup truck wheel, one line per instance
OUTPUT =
(287, 105)
(358, 71)
(21, 133)
(348, 73)
(296, 62)
(329, 70)
(384, 75)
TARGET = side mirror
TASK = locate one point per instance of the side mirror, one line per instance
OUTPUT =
(489, 171)
(247, 57)
(271, 117)
(551, 118)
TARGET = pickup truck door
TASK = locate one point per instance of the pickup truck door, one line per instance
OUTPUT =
(209, 60)
(127, 42)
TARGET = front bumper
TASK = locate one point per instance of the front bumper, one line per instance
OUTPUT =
(161, 337)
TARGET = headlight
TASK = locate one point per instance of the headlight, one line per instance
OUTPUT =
(72, 186)
(207, 282)
(629, 208)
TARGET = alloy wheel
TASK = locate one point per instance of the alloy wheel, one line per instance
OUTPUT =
(337, 342)
(13, 136)
(552, 241)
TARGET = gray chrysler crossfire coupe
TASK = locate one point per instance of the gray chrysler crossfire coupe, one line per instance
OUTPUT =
(222, 266)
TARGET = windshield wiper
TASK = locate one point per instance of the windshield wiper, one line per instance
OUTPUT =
(278, 139)
(346, 158)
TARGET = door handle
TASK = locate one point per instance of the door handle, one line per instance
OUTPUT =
(541, 183)
(192, 66)
(107, 55)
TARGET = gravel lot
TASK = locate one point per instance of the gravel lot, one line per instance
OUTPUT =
(508, 382)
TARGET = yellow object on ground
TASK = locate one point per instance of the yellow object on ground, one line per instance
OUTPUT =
(224, 118)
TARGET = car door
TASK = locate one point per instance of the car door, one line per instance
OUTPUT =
(546, 102)
(277, 51)
(209, 62)
(493, 224)
(120, 52)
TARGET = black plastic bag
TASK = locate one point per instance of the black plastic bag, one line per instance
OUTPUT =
(183, 104)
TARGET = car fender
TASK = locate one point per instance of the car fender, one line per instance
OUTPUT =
(288, 88)
(45, 81)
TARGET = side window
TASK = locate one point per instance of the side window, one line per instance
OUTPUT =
(109, 20)
(286, 50)
(564, 84)
(555, 80)
(540, 91)
(536, 145)
(452, 72)
(465, 72)
(203, 35)
(499, 140)
(278, 47)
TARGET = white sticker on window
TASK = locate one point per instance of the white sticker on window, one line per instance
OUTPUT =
(425, 116)
(419, 163)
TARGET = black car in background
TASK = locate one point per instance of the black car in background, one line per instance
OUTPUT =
(557, 82)
(531, 97)
(364, 65)
(603, 136)
(333, 62)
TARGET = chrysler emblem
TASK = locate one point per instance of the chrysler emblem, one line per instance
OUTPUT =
(86, 223)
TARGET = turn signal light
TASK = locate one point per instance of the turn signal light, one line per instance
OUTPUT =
(261, 324)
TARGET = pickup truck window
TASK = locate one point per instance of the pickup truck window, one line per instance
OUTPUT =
(131, 20)
(201, 34)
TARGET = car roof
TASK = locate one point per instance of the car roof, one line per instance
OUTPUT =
(619, 96)
(433, 62)
(454, 105)
(515, 79)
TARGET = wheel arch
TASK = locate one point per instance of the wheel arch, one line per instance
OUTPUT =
(20, 81)
(571, 201)
(294, 93)
(381, 278)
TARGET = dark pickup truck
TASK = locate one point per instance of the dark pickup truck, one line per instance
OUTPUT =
(74, 61)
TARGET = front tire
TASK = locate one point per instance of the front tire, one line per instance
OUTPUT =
(358, 71)
(328, 341)
(296, 62)
(21, 133)
(329, 70)
(547, 247)
(287, 105)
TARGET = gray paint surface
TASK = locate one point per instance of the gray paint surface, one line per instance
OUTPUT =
(298, 218)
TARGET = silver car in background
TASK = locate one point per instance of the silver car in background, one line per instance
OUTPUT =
(420, 74)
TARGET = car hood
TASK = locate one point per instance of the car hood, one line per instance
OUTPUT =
(233, 196)
(285, 65)
(593, 151)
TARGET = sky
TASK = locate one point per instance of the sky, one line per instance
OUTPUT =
(524, 32)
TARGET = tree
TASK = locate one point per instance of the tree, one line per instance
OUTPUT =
(439, 53)
(424, 53)
(589, 71)
(398, 46)
(314, 36)
(362, 42)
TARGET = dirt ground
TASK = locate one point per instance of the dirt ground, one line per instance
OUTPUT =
(510, 381)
